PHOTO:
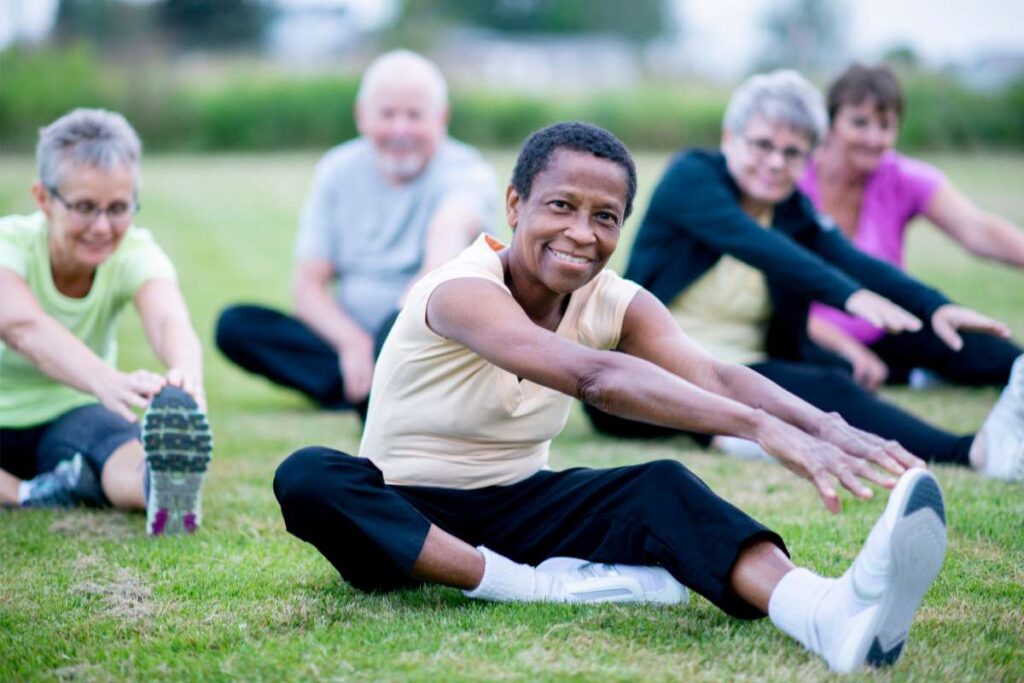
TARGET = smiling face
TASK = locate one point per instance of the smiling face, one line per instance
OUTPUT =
(568, 226)
(862, 133)
(766, 160)
(77, 242)
(405, 123)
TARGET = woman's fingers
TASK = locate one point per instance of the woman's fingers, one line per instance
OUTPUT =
(948, 319)
(176, 378)
(122, 410)
(145, 382)
(881, 312)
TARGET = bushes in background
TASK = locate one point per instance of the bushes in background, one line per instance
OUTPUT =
(252, 109)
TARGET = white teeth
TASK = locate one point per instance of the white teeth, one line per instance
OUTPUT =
(569, 258)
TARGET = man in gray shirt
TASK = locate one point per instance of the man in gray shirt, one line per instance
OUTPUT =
(383, 210)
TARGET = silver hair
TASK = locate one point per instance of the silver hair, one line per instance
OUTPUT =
(409, 65)
(87, 137)
(781, 96)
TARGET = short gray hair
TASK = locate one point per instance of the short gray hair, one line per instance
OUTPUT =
(87, 137)
(408, 65)
(781, 96)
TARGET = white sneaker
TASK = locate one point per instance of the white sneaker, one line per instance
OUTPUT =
(585, 581)
(899, 561)
(1003, 431)
(740, 448)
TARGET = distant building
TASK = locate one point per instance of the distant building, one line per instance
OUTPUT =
(307, 34)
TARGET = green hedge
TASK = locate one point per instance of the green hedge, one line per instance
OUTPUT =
(251, 109)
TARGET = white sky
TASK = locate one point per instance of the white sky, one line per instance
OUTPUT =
(723, 35)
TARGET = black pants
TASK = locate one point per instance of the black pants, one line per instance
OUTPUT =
(830, 389)
(656, 513)
(983, 360)
(90, 430)
(282, 349)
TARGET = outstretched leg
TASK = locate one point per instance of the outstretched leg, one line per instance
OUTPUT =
(864, 617)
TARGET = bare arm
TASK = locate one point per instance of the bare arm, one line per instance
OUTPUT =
(981, 233)
(869, 370)
(169, 330)
(454, 225)
(650, 332)
(60, 355)
(315, 307)
(487, 320)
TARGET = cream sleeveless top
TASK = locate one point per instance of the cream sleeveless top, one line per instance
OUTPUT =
(441, 415)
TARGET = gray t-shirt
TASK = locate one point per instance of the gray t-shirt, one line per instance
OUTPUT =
(373, 232)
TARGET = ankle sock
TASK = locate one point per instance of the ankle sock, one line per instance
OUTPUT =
(504, 580)
(794, 603)
(820, 612)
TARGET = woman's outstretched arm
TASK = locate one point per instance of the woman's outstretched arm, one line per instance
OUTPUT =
(485, 318)
(60, 355)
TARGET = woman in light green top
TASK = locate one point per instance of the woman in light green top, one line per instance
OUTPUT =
(67, 430)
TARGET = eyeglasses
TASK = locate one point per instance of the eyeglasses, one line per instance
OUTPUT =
(86, 211)
(764, 148)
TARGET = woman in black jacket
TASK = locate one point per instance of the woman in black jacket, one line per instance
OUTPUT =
(738, 256)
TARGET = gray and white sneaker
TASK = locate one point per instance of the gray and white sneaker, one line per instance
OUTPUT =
(585, 581)
(898, 563)
(69, 483)
(178, 443)
(1002, 434)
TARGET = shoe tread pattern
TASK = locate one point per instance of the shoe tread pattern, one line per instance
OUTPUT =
(916, 565)
(178, 443)
(926, 494)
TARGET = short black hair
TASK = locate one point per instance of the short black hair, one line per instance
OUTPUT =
(578, 137)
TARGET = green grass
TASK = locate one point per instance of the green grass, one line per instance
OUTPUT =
(86, 596)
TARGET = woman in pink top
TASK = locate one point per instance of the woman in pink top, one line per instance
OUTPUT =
(873, 192)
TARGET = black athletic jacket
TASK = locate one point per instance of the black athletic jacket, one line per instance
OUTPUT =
(694, 217)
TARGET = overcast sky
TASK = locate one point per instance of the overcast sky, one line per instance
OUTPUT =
(723, 35)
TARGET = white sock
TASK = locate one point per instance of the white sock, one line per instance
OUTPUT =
(24, 488)
(506, 581)
(794, 603)
(819, 612)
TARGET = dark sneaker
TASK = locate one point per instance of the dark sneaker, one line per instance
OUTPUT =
(178, 443)
(66, 485)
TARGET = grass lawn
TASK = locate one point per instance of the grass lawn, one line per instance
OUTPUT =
(87, 596)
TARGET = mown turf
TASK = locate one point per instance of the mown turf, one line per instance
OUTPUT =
(86, 596)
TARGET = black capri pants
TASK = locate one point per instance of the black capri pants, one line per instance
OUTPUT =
(655, 513)
(91, 430)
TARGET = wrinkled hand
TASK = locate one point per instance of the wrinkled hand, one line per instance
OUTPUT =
(887, 454)
(356, 364)
(948, 319)
(881, 312)
(822, 463)
(119, 392)
(869, 370)
(191, 385)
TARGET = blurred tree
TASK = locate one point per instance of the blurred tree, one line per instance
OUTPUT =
(120, 26)
(216, 25)
(638, 21)
(902, 57)
(806, 35)
(111, 26)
